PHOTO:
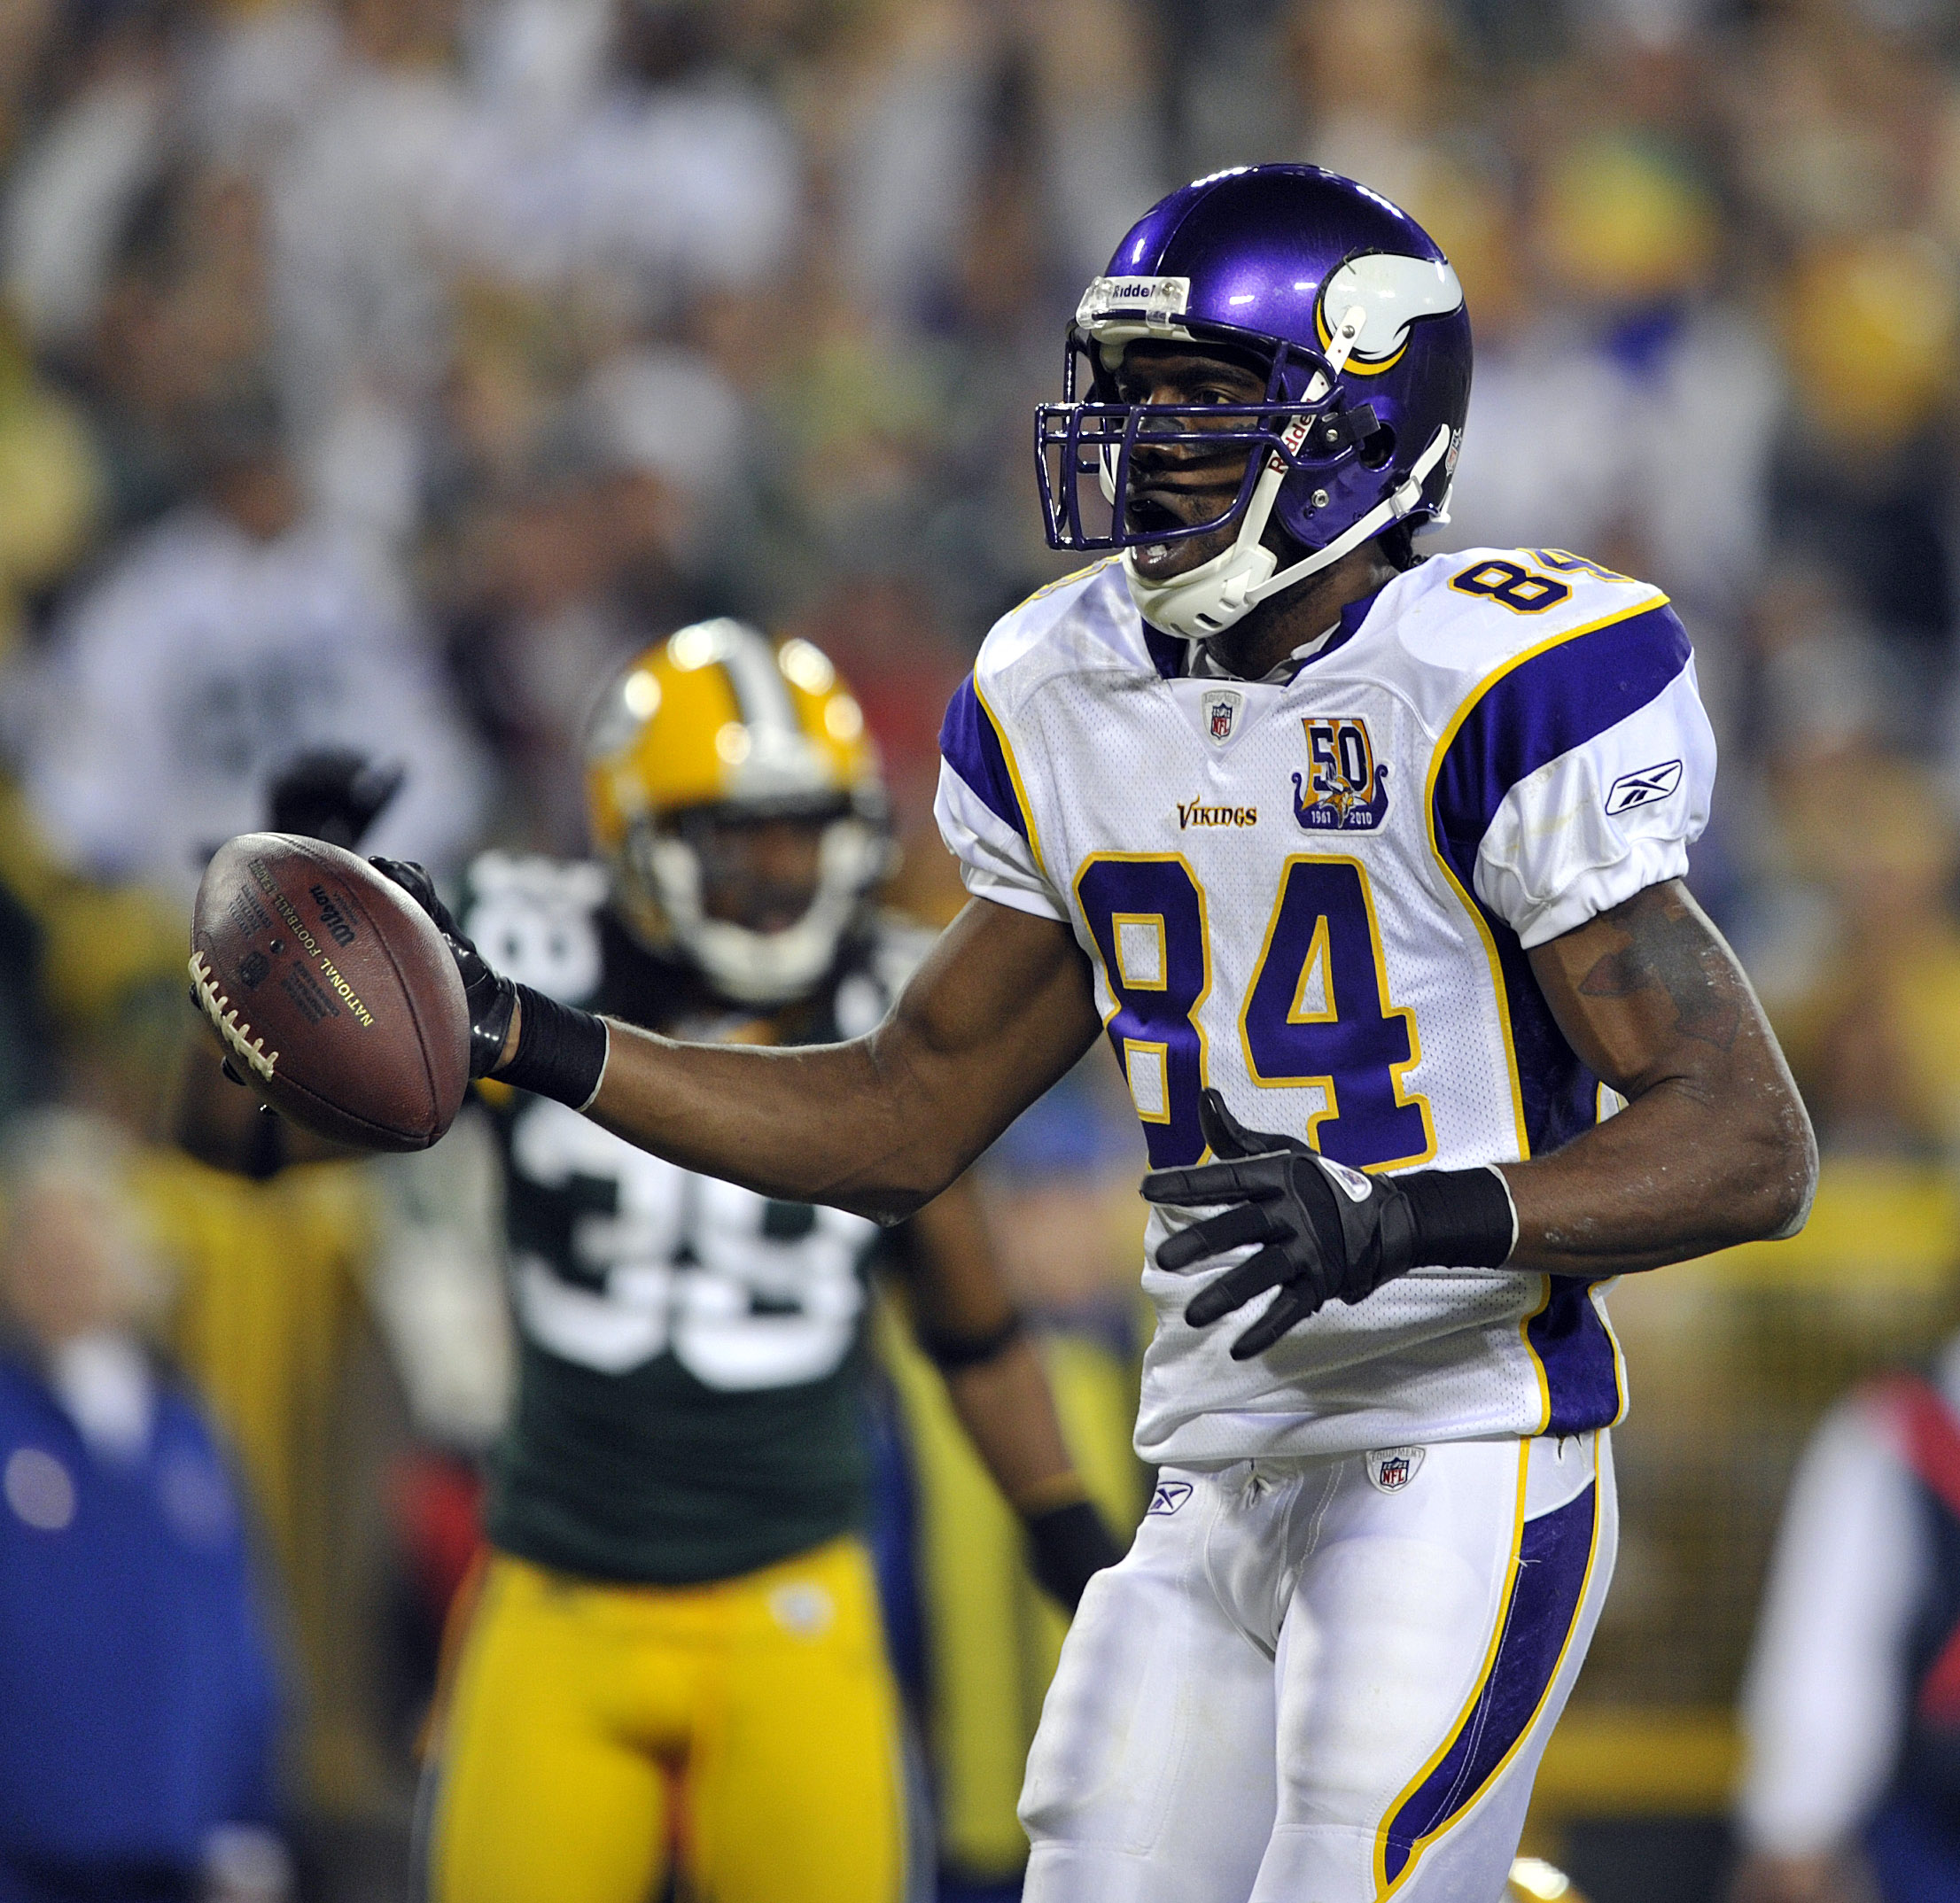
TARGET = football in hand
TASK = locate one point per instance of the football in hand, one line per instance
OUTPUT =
(335, 995)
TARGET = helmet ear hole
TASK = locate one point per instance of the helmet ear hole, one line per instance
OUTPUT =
(1379, 449)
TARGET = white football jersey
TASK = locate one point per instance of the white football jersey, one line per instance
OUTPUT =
(1315, 895)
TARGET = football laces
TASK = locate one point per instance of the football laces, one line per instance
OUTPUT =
(220, 1009)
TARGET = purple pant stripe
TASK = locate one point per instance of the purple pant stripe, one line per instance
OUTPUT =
(1553, 1561)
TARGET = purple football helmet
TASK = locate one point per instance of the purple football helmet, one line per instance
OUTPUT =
(1360, 322)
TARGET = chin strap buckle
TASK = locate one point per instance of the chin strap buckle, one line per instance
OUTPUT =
(1343, 429)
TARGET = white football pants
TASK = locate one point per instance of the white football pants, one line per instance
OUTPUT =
(1322, 1680)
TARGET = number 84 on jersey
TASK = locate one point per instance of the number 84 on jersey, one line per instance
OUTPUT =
(1316, 1012)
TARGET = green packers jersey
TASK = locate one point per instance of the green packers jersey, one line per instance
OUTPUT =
(688, 1404)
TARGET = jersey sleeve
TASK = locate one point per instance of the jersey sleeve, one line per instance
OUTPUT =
(1579, 776)
(981, 812)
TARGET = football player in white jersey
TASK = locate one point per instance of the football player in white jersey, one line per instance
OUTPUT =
(1370, 867)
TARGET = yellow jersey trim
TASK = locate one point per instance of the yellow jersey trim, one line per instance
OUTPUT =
(1498, 987)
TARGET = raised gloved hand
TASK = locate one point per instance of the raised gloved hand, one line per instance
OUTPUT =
(331, 792)
(561, 1050)
(492, 996)
(1328, 1232)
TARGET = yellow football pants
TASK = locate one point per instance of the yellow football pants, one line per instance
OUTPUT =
(754, 1719)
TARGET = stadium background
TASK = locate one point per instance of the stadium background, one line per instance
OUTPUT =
(386, 370)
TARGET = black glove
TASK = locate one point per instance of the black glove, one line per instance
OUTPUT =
(1329, 1232)
(332, 794)
(1071, 1544)
(561, 1050)
(492, 996)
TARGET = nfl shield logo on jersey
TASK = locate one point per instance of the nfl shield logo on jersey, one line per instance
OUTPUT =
(1392, 1468)
(1221, 715)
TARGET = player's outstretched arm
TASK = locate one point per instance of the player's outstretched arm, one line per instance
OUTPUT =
(1002, 1006)
(1714, 1146)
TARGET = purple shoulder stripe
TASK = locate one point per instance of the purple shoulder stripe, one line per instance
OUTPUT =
(1557, 700)
(972, 749)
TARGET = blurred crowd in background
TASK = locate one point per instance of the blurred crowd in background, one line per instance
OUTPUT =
(381, 373)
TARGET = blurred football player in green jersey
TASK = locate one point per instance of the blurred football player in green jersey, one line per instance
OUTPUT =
(674, 1657)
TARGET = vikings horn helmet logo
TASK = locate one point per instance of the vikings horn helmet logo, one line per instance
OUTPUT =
(1392, 293)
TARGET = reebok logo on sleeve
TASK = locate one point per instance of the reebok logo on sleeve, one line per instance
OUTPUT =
(1644, 787)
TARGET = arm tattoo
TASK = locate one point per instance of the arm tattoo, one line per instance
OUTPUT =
(1667, 948)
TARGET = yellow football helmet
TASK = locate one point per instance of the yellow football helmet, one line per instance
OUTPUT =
(717, 723)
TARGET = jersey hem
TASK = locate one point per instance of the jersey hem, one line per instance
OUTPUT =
(1231, 1439)
(756, 1559)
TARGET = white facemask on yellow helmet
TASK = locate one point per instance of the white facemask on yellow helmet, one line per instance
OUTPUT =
(719, 721)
